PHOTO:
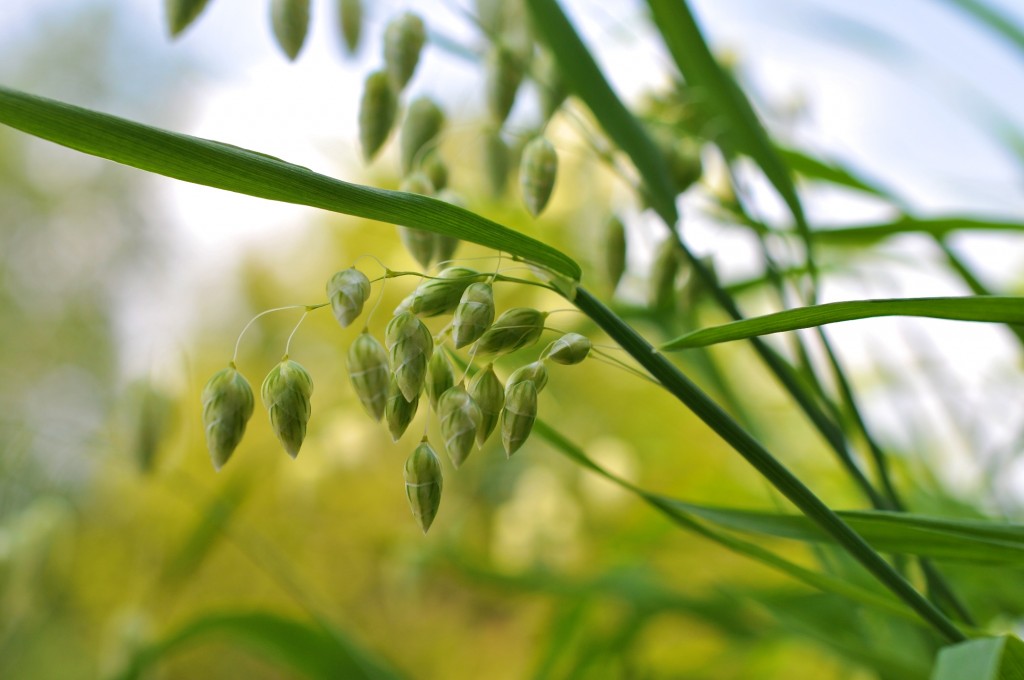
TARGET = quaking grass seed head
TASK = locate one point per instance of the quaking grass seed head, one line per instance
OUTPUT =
(664, 274)
(504, 75)
(551, 85)
(537, 170)
(404, 37)
(571, 348)
(422, 127)
(436, 170)
(290, 21)
(369, 373)
(348, 290)
(515, 329)
(350, 19)
(399, 411)
(227, 406)
(460, 421)
(518, 415)
(474, 314)
(614, 251)
(489, 396)
(441, 295)
(286, 391)
(377, 111)
(423, 483)
(534, 372)
(181, 13)
(440, 376)
(497, 161)
(421, 244)
(410, 344)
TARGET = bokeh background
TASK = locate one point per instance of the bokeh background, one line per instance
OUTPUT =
(120, 293)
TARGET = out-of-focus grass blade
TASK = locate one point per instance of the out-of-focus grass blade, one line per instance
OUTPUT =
(306, 650)
(203, 537)
(583, 76)
(992, 309)
(994, 658)
(993, 19)
(181, 14)
(833, 173)
(743, 132)
(869, 234)
(223, 166)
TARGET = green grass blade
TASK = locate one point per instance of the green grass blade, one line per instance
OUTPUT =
(993, 19)
(831, 172)
(991, 309)
(870, 234)
(584, 78)
(223, 166)
(994, 658)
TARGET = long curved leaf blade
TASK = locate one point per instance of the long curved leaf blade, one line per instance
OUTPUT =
(994, 658)
(223, 166)
(869, 234)
(992, 309)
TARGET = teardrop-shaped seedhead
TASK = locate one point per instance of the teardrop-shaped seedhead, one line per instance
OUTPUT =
(368, 370)
(421, 128)
(682, 155)
(434, 167)
(410, 345)
(347, 290)
(516, 328)
(399, 411)
(497, 161)
(442, 294)
(290, 20)
(444, 245)
(614, 254)
(460, 421)
(474, 313)
(350, 21)
(377, 111)
(181, 14)
(550, 84)
(286, 391)
(227, 406)
(534, 371)
(665, 274)
(421, 244)
(518, 415)
(489, 396)
(440, 376)
(537, 170)
(404, 37)
(571, 348)
(504, 75)
(423, 483)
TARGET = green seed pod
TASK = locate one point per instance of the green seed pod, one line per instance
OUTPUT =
(571, 348)
(404, 37)
(460, 421)
(411, 345)
(664, 272)
(286, 391)
(489, 396)
(490, 15)
(534, 371)
(537, 170)
(423, 484)
(436, 170)
(516, 328)
(377, 111)
(181, 14)
(227, 406)
(368, 370)
(151, 412)
(550, 85)
(347, 290)
(399, 411)
(518, 415)
(441, 295)
(445, 246)
(420, 244)
(440, 376)
(474, 314)
(504, 75)
(350, 20)
(421, 128)
(290, 20)
(682, 156)
(497, 161)
(614, 251)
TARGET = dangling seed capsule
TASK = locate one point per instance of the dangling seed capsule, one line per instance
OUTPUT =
(377, 111)
(516, 328)
(436, 170)
(404, 37)
(441, 295)
(422, 127)
(368, 370)
(504, 74)
(227, 406)
(537, 171)
(460, 421)
(571, 348)
(419, 243)
(423, 484)
(664, 272)
(614, 251)
(497, 161)
(684, 162)
(181, 13)
(518, 415)
(150, 422)
(350, 19)
(347, 290)
(440, 376)
(489, 396)
(286, 391)
(399, 411)
(445, 246)
(411, 345)
(550, 85)
(474, 314)
(290, 19)
(534, 372)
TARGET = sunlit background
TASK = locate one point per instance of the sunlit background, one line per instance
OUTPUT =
(120, 293)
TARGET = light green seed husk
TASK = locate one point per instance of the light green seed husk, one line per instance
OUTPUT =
(377, 111)
(368, 370)
(436, 170)
(489, 396)
(682, 156)
(347, 290)
(286, 391)
(445, 246)
(152, 412)
(518, 415)
(421, 128)
(421, 244)
(537, 170)
(181, 13)
(571, 348)
(664, 274)
(399, 411)
(614, 251)
(504, 75)
(474, 314)
(497, 161)
(534, 372)
(404, 38)
(350, 21)
(227, 406)
(442, 294)
(290, 20)
(423, 483)
(410, 345)
(550, 85)
(516, 328)
(440, 376)
(460, 421)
